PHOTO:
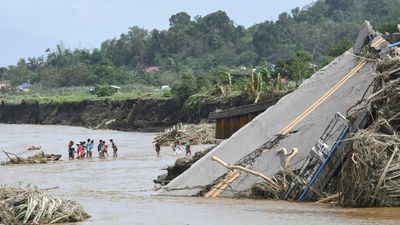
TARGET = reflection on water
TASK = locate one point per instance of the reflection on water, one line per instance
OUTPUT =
(120, 191)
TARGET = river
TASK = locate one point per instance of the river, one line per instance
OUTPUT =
(120, 191)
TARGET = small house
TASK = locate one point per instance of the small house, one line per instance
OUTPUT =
(152, 69)
(115, 89)
(5, 84)
(24, 86)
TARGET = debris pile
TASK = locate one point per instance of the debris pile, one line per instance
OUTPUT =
(33, 148)
(198, 133)
(33, 206)
(361, 166)
(35, 159)
(371, 173)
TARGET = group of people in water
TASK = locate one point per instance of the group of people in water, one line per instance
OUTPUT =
(84, 149)
(176, 147)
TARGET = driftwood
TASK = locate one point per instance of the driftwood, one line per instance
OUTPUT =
(286, 153)
(197, 133)
(37, 158)
(272, 183)
(329, 198)
(371, 173)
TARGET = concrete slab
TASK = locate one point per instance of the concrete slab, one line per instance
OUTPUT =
(364, 33)
(309, 130)
(275, 119)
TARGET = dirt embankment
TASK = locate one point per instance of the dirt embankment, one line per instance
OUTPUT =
(120, 115)
(128, 115)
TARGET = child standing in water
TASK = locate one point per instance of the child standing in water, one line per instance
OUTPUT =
(115, 149)
(158, 148)
(105, 149)
(80, 150)
(188, 147)
(87, 146)
(90, 148)
(100, 149)
(176, 147)
(71, 150)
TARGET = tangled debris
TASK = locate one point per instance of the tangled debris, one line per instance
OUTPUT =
(371, 173)
(6, 216)
(368, 172)
(37, 158)
(199, 134)
(33, 206)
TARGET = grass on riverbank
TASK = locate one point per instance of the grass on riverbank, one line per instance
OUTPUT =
(78, 94)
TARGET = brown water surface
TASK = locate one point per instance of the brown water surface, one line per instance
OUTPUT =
(120, 191)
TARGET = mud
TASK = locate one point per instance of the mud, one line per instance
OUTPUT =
(120, 191)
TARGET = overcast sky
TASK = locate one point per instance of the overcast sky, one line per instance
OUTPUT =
(29, 27)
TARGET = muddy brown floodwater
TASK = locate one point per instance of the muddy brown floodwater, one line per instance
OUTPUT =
(120, 191)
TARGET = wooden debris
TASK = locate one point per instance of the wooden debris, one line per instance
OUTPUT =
(198, 133)
(268, 180)
(371, 175)
(329, 199)
(34, 206)
(37, 158)
(32, 148)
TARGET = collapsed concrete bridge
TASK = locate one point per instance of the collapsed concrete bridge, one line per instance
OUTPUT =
(296, 120)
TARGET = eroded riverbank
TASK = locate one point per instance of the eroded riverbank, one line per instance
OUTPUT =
(120, 191)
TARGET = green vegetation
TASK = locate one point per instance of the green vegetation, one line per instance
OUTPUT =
(103, 90)
(78, 94)
(204, 54)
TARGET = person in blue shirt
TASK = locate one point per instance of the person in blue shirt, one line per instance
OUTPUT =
(100, 149)
(89, 148)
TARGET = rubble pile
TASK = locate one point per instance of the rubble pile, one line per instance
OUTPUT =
(198, 133)
(33, 206)
(371, 173)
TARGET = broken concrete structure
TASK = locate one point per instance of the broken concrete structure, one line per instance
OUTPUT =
(296, 120)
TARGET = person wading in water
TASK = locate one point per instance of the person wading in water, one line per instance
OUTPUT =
(115, 149)
(71, 150)
(105, 149)
(100, 149)
(158, 148)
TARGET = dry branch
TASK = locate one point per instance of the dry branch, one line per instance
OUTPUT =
(255, 173)
(33, 206)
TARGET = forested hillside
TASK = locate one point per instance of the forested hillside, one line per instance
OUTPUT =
(196, 48)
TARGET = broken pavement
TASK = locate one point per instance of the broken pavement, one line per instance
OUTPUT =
(296, 121)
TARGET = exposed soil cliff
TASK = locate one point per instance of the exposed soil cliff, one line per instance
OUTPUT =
(132, 114)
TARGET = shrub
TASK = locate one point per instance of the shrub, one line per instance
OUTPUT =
(102, 91)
